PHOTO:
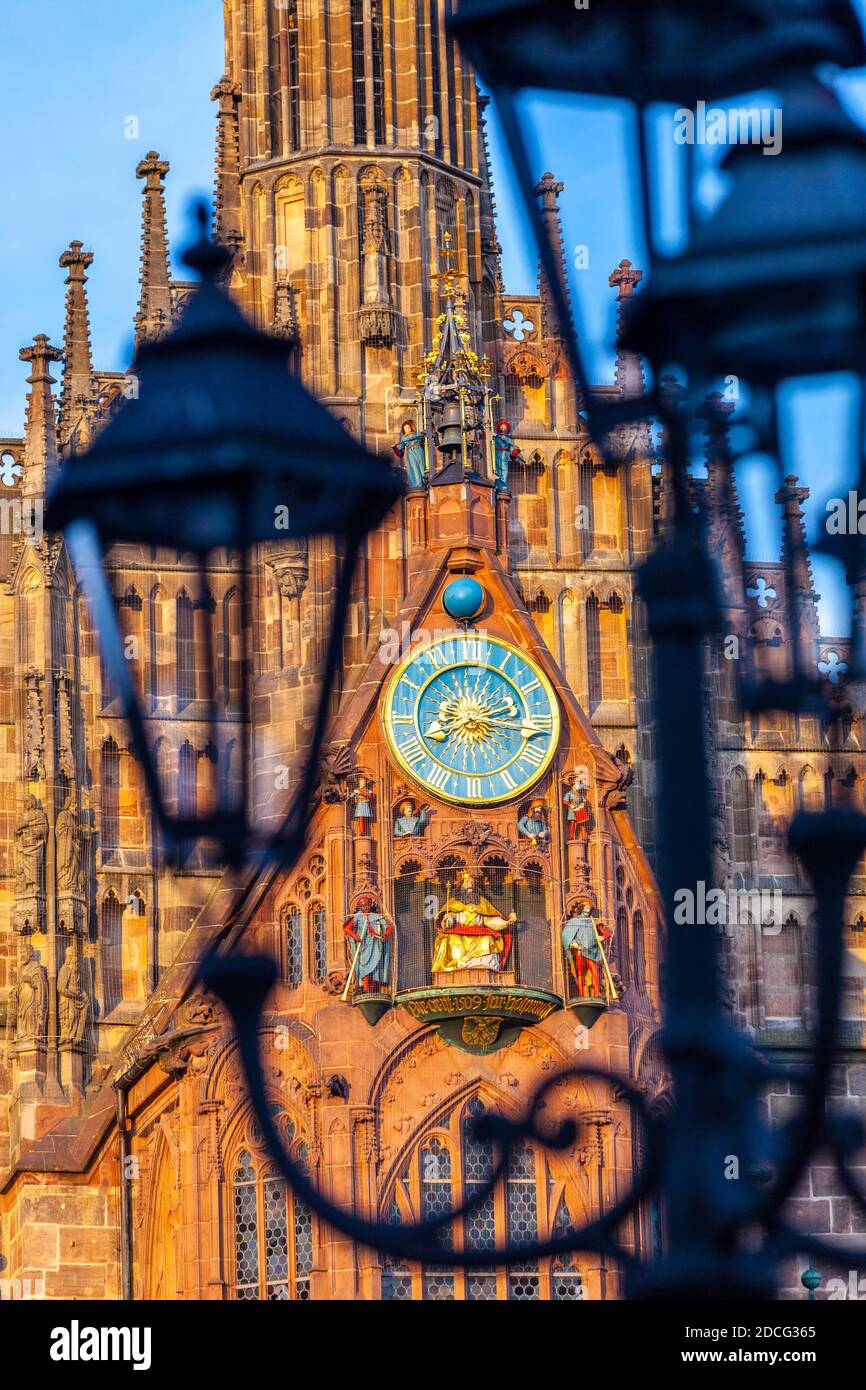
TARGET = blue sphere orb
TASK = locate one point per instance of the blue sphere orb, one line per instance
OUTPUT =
(463, 599)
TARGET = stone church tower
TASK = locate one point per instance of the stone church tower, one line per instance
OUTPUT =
(354, 193)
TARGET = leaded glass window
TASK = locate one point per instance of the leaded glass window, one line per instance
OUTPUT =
(450, 1166)
(522, 1208)
(396, 1276)
(436, 1200)
(480, 1223)
(565, 1279)
(320, 942)
(246, 1230)
(273, 1233)
(294, 946)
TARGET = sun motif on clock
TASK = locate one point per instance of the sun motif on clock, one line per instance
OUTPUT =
(471, 719)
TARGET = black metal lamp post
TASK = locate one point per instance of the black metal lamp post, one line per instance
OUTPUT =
(222, 450)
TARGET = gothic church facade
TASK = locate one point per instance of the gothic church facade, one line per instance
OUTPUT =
(353, 190)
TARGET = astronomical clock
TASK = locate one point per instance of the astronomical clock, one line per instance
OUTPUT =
(467, 786)
(471, 719)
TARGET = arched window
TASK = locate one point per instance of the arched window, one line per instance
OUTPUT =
(437, 1199)
(284, 72)
(110, 798)
(184, 649)
(742, 808)
(593, 652)
(273, 1231)
(639, 948)
(522, 1208)
(396, 1275)
(621, 945)
(319, 941)
(783, 985)
(293, 938)
(436, 78)
(108, 689)
(613, 649)
(359, 72)
(187, 791)
(565, 1280)
(232, 648)
(480, 1224)
(111, 949)
(450, 1165)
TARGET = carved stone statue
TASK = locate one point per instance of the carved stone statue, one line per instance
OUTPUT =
(73, 1004)
(470, 932)
(31, 837)
(28, 1000)
(505, 452)
(70, 860)
(411, 452)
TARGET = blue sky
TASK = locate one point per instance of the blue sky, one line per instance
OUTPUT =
(72, 80)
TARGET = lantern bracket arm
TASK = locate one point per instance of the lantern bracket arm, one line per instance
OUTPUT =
(243, 984)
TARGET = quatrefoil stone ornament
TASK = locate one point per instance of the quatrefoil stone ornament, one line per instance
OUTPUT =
(518, 326)
(10, 470)
(833, 667)
(762, 591)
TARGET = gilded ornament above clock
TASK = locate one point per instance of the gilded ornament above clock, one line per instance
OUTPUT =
(471, 719)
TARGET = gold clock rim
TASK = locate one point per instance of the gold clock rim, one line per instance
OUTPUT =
(537, 670)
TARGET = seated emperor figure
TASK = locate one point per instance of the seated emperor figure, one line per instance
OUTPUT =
(471, 934)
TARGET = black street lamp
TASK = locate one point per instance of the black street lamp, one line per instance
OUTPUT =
(223, 450)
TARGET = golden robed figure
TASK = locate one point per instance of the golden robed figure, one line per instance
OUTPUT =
(471, 934)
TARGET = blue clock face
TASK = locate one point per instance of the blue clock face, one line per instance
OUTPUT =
(471, 719)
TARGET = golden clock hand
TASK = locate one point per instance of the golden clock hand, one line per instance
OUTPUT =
(526, 727)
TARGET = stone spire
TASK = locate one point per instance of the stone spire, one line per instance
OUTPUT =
(802, 598)
(227, 201)
(725, 514)
(548, 190)
(40, 431)
(629, 369)
(78, 361)
(154, 306)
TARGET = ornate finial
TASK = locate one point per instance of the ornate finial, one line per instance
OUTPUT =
(447, 278)
(78, 366)
(629, 370)
(548, 190)
(154, 310)
(227, 224)
(152, 169)
(40, 352)
(625, 278)
(40, 437)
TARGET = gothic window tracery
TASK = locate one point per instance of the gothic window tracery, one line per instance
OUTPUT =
(184, 649)
(318, 941)
(110, 798)
(449, 1164)
(272, 1228)
(360, 33)
(111, 946)
(293, 946)
(607, 650)
(285, 89)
